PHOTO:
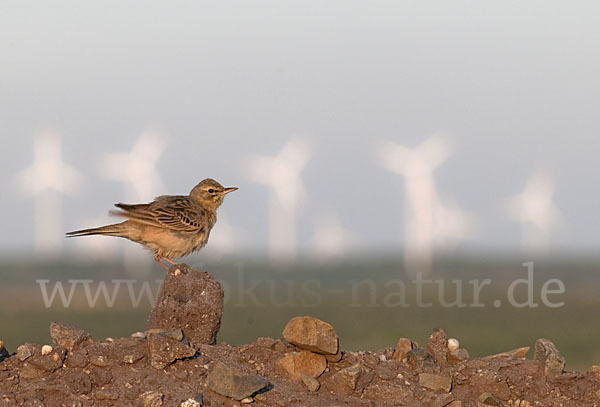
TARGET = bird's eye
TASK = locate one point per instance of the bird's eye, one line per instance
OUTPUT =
(210, 191)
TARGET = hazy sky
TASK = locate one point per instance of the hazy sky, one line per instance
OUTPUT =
(515, 85)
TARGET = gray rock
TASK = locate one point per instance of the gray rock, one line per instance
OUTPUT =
(164, 350)
(312, 334)
(435, 382)
(67, 335)
(27, 350)
(191, 301)
(546, 352)
(488, 399)
(458, 356)
(230, 382)
(419, 358)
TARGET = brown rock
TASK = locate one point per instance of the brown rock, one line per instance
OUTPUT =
(67, 335)
(435, 382)
(303, 363)
(311, 334)
(518, 353)
(310, 382)
(3, 352)
(437, 346)
(189, 300)
(78, 382)
(164, 350)
(230, 382)
(458, 356)
(49, 362)
(403, 346)
(99, 376)
(546, 352)
(350, 379)
(27, 350)
(76, 359)
(334, 358)
(595, 369)
(488, 399)
(152, 399)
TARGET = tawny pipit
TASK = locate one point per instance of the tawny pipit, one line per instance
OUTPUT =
(171, 226)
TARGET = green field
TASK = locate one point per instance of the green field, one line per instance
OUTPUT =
(370, 301)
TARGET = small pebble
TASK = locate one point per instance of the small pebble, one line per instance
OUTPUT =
(382, 358)
(46, 350)
(139, 335)
(247, 400)
(453, 344)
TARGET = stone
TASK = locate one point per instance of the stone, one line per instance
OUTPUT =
(152, 399)
(437, 346)
(27, 350)
(419, 358)
(76, 359)
(435, 382)
(455, 403)
(46, 350)
(350, 379)
(49, 362)
(190, 403)
(335, 358)
(191, 301)
(265, 342)
(546, 352)
(310, 382)
(176, 334)
(488, 399)
(453, 344)
(387, 371)
(595, 369)
(138, 335)
(403, 346)
(99, 376)
(164, 350)
(67, 335)
(458, 356)
(247, 400)
(518, 353)
(297, 364)
(230, 382)
(438, 400)
(78, 382)
(312, 334)
(3, 352)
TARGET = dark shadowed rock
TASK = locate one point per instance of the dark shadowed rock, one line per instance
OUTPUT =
(459, 355)
(189, 300)
(3, 352)
(419, 358)
(230, 382)
(312, 334)
(164, 350)
(546, 352)
(67, 335)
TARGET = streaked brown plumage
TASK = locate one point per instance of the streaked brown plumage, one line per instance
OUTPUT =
(171, 226)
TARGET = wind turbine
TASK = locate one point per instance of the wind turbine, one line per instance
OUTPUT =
(424, 213)
(47, 179)
(141, 181)
(536, 212)
(282, 175)
(331, 240)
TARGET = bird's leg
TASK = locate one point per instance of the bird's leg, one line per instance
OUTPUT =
(157, 259)
(168, 260)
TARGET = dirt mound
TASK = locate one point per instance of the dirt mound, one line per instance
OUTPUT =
(174, 364)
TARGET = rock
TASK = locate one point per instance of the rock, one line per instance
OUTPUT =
(247, 400)
(78, 382)
(99, 376)
(488, 399)
(191, 301)
(438, 400)
(350, 379)
(310, 382)
(27, 350)
(546, 352)
(403, 346)
(455, 403)
(3, 352)
(518, 353)
(46, 350)
(311, 334)
(387, 371)
(303, 363)
(49, 362)
(268, 343)
(190, 403)
(77, 359)
(458, 356)
(176, 334)
(453, 344)
(152, 399)
(334, 358)
(437, 346)
(419, 358)
(595, 369)
(164, 350)
(67, 335)
(435, 382)
(230, 382)
(138, 335)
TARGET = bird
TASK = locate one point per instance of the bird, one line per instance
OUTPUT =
(171, 226)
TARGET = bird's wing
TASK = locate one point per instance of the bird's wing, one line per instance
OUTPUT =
(171, 212)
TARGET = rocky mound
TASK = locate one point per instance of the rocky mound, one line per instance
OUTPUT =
(176, 363)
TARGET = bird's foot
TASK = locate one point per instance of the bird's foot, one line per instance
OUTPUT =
(157, 259)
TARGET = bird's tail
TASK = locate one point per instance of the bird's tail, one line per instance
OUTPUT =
(116, 229)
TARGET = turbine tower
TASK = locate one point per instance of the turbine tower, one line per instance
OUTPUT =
(425, 216)
(536, 212)
(47, 179)
(141, 181)
(282, 175)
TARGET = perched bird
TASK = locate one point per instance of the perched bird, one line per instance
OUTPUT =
(171, 226)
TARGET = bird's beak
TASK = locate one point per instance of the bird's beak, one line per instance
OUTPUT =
(228, 190)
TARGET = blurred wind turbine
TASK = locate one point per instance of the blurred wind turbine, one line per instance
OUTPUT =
(224, 238)
(141, 183)
(422, 204)
(282, 175)
(331, 241)
(47, 179)
(534, 209)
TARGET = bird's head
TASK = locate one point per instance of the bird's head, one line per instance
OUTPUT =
(209, 193)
